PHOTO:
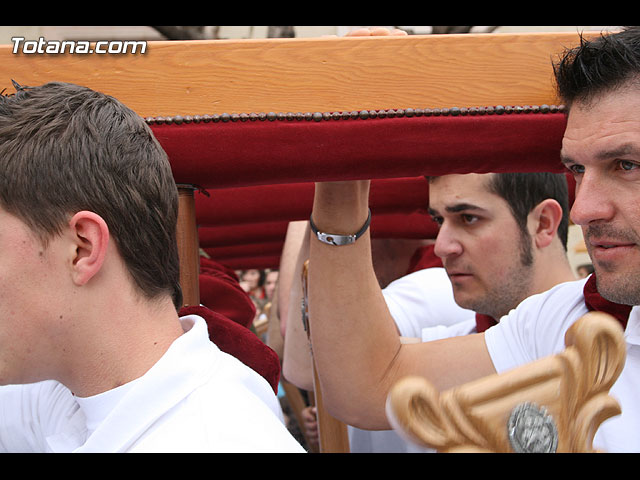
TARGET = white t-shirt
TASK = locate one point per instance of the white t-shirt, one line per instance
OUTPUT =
(536, 329)
(422, 305)
(196, 398)
(423, 299)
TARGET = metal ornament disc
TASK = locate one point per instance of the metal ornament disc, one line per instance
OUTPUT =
(532, 430)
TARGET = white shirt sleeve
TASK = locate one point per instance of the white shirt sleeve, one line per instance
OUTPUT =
(423, 299)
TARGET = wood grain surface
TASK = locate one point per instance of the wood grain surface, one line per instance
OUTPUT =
(309, 74)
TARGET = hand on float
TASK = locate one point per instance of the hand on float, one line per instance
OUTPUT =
(376, 32)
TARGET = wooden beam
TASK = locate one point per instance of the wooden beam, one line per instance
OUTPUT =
(309, 74)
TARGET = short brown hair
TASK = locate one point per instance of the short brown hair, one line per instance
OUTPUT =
(66, 148)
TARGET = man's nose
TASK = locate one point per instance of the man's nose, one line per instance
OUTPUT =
(593, 200)
(446, 242)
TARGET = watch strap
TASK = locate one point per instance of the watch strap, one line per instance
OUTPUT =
(338, 239)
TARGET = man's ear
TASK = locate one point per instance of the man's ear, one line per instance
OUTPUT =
(544, 221)
(91, 238)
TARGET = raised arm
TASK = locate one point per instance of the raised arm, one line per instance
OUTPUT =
(356, 347)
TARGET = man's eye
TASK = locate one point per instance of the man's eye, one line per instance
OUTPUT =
(576, 169)
(469, 219)
(627, 165)
(437, 219)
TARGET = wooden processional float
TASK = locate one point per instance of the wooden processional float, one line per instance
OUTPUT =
(250, 125)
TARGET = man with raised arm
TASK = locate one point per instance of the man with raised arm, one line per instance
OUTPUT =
(527, 235)
(599, 82)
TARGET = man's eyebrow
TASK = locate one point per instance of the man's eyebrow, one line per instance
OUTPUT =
(458, 207)
(565, 159)
(621, 151)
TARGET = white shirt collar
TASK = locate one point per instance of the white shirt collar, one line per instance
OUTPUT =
(126, 420)
(632, 332)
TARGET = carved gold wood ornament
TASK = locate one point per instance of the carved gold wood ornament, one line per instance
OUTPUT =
(554, 404)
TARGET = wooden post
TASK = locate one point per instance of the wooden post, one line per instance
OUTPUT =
(332, 433)
(188, 248)
(298, 403)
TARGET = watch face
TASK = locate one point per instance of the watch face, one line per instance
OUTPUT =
(336, 240)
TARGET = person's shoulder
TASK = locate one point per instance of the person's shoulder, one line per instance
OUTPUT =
(565, 295)
(426, 278)
(547, 315)
(536, 328)
(239, 412)
(426, 273)
(551, 311)
(227, 373)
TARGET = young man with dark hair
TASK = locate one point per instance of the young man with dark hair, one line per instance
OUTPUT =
(491, 229)
(497, 249)
(93, 354)
(600, 84)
